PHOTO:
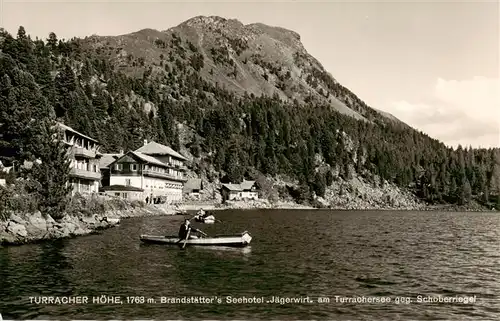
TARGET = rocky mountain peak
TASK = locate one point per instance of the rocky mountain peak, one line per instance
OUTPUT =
(253, 59)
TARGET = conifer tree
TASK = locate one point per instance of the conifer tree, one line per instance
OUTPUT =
(494, 188)
(466, 192)
(51, 170)
(319, 184)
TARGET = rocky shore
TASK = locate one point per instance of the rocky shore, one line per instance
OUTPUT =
(22, 229)
(28, 228)
(262, 204)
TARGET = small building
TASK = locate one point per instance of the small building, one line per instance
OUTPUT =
(193, 187)
(236, 192)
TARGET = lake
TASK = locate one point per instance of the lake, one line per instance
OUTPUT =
(336, 265)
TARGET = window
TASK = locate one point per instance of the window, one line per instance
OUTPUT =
(134, 167)
(127, 182)
(117, 194)
(119, 167)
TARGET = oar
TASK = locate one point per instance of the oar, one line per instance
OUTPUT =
(202, 233)
(187, 238)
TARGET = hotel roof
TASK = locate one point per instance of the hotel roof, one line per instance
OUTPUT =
(154, 148)
(245, 185)
(61, 125)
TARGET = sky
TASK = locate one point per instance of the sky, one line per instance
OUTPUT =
(434, 65)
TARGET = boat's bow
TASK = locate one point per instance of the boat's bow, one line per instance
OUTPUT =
(246, 238)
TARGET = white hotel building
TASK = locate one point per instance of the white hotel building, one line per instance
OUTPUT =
(84, 156)
(153, 173)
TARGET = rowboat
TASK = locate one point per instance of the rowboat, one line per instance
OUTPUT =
(220, 240)
(210, 219)
(111, 220)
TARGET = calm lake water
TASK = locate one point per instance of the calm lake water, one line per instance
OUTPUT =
(293, 254)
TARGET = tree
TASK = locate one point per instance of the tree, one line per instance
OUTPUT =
(495, 178)
(319, 184)
(21, 33)
(466, 193)
(329, 178)
(21, 106)
(52, 42)
(346, 172)
(233, 167)
(65, 83)
(51, 170)
(195, 147)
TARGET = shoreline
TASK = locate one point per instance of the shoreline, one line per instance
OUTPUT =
(34, 228)
(264, 205)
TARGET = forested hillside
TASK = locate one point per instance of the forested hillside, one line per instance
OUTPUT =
(230, 134)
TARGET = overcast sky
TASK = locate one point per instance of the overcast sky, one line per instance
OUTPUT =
(433, 65)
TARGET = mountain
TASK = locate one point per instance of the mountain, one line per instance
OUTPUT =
(254, 59)
(240, 101)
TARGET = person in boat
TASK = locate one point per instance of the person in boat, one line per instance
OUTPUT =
(206, 214)
(185, 228)
(200, 215)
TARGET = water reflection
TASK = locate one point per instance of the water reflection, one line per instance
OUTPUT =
(30, 271)
(237, 250)
(4, 272)
(52, 268)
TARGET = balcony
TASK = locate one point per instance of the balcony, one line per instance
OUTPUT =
(163, 175)
(83, 152)
(82, 173)
(180, 167)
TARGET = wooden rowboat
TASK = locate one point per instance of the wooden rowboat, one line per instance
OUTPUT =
(112, 220)
(222, 240)
(210, 219)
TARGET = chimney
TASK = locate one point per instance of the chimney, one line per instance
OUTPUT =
(145, 142)
(121, 151)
